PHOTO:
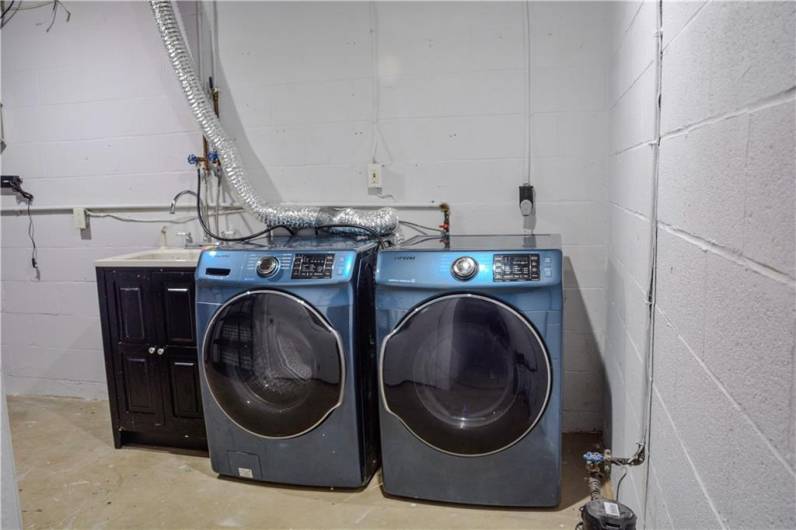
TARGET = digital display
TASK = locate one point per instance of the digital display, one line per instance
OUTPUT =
(515, 267)
(312, 267)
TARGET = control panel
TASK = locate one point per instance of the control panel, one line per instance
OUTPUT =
(312, 267)
(515, 267)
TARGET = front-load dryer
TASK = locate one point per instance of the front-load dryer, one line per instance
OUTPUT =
(470, 336)
(288, 364)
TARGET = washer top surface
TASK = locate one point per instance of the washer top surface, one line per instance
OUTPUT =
(502, 242)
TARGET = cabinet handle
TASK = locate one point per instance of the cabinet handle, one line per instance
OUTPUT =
(184, 364)
(161, 350)
(151, 349)
(177, 289)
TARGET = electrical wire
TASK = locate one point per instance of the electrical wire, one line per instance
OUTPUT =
(372, 233)
(2, 131)
(3, 19)
(416, 229)
(28, 197)
(619, 484)
(7, 9)
(527, 103)
(419, 228)
(126, 219)
(56, 3)
(374, 65)
(35, 5)
(378, 135)
(34, 253)
(653, 266)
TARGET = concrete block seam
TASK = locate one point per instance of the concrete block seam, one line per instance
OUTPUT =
(686, 25)
(735, 256)
(760, 104)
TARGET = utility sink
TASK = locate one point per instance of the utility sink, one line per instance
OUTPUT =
(162, 257)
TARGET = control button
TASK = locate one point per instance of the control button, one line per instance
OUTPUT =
(267, 266)
(464, 268)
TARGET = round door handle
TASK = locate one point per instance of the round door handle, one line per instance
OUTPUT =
(161, 350)
(151, 349)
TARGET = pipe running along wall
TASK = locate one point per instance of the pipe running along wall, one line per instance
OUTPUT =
(383, 221)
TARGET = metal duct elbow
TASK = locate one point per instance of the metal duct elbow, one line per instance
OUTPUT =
(383, 221)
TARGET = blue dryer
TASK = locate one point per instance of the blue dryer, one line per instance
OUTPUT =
(470, 336)
(288, 360)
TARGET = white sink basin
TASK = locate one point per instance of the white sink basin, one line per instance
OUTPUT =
(162, 257)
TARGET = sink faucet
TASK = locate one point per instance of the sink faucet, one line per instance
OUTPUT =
(188, 239)
(173, 207)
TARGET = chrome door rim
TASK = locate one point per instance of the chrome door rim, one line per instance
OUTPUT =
(487, 299)
(323, 321)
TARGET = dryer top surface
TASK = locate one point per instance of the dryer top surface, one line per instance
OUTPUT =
(356, 243)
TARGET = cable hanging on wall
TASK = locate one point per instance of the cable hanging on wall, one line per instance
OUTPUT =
(14, 6)
(14, 183)
(527, 196)
(375, 87)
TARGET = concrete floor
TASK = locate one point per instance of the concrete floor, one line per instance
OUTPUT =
(70, 476)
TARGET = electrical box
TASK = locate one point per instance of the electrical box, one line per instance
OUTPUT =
(526, 199)
(374, 176)
(11, 181)
(79, 218)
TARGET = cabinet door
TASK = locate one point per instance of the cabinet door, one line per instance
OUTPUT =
(138, 385)
(176, 330)
(175, 312)
(184, 383)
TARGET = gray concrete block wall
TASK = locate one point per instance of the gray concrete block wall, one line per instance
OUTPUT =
(95, 116)
(721, 448)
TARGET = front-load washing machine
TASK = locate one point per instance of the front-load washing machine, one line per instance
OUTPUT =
(470, 336)
(288, 364)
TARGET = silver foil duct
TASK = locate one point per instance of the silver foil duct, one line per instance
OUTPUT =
(383, 221)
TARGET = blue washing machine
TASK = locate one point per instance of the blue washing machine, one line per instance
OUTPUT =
(470, 336)
(288, 363)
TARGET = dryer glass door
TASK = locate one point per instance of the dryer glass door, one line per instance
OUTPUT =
(467, 374)
(273, 364)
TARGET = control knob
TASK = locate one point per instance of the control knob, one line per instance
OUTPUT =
(464, 268)
(267, 266)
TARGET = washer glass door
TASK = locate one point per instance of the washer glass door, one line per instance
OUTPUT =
(466, 374)
(273, 364)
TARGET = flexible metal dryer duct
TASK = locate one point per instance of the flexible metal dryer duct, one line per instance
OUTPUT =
(383, 221)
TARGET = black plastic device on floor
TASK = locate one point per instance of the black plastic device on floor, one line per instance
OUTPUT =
(604, 514)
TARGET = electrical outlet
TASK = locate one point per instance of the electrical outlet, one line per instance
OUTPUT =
(374, 176)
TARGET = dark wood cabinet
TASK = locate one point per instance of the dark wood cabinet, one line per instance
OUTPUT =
(149, 334)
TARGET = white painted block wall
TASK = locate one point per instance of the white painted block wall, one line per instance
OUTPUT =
(94, 116)
(722, 440)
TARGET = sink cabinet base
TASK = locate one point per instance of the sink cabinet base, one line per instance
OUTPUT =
(151, 362)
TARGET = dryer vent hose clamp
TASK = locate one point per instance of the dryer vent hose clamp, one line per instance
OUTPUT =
(383, 221)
